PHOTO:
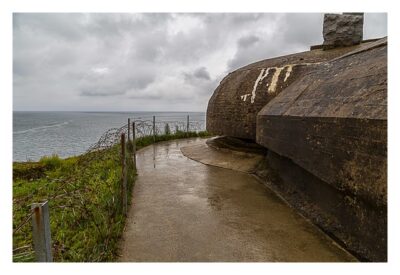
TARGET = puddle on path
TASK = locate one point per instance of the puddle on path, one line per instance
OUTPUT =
(184, 210)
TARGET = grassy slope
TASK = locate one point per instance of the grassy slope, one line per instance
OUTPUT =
(84, 199)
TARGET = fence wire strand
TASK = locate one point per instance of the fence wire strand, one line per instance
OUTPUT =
(69, 197)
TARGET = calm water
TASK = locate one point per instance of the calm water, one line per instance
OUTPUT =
(36, 134)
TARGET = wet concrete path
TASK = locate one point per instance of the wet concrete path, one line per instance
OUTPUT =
(184, 210)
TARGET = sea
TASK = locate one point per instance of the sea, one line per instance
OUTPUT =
(37, 134)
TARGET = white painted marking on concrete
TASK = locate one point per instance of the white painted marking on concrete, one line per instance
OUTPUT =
(275, 79)
(244, 97)
(266, 74)
(288, 71)
(253, 93)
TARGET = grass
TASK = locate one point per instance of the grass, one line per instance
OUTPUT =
(51, 162)
(144, 141)
(86, 217)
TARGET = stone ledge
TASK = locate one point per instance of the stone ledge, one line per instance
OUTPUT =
(223, 157)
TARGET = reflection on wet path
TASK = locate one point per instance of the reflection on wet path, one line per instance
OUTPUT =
(184, 210)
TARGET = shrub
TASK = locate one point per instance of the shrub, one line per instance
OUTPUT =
(51, 162)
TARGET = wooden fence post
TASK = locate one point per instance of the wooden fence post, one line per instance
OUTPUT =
(154, 128)
(124, 191)
(134, 143)
(129, 126)
(187, 125)
(41, 232)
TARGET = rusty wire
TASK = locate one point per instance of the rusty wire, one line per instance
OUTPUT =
(25, 221)
(70, 191)
(109, 139)
(145, 127)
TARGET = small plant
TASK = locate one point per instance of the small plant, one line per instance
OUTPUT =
(51, 162)
(167, 130)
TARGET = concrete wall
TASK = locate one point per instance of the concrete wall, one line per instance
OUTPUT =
(332, 123)
(322, 115)
(233, 107)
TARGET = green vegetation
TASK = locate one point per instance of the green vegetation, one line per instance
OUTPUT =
(51, 162)
(84, 199)
(85, 207)
(144, 141)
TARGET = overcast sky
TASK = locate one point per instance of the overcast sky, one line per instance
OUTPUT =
(148, 62)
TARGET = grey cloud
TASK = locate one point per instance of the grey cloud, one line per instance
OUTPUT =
(145, 96)
(234, 19)
(290, 33)
(20, 69)
(199, 82)
(375, 25)
(101, 92)
(148, 61)
(117, 82)
(301, 29)
(247, 41)
(201, 73)
(261, 50)
(66, 26)
(140, 82)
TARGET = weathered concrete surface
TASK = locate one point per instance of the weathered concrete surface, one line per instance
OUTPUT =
(332, 122)
(186, 211)
(338, 115)
(233, 107)
(218, 153)
(342, 30)
(244, 162)
(236, 144)
(336, 212)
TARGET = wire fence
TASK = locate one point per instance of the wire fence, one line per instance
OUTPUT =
(78, 202)
(71, 196)
(167, 126)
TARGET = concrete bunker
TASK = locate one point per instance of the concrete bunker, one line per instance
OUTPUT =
(322, 116)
